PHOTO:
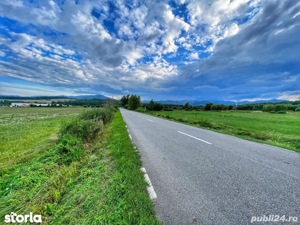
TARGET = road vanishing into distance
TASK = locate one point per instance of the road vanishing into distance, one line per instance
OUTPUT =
(203, 177)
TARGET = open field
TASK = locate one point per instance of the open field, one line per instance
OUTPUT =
(71, 168)
(26, 132)
(281, 130)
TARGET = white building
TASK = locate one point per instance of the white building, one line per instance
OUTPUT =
(22, 104)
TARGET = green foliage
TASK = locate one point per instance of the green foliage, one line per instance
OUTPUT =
(134, 102)
(268, 108)
(25, 133)
(154, 106)
(297, 109)
(245, 107)
(79, 182)
(85, 102)
(142, 109)
(187, 106)
(124, 100)
(105, 114)
(5, 103)
(208, 106)
(280, 108)
(219, 107)
(85, 130)
(70, 148)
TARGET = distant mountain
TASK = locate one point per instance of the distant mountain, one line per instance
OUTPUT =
(16, 97)
(90, 97)
(204, 102)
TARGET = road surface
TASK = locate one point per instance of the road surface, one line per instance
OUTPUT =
(203, 177)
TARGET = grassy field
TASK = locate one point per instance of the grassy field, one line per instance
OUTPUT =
(281, 130)
(27, 132)
(70, 169)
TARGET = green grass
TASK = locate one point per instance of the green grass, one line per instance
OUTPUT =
(281, 130)
(27, 132)
(102, 186)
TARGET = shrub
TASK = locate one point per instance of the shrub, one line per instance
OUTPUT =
(297, 109)
(208, 106)
(142, 109)
(105, 114)
(280, 108)
(268, 108)
(83, 129)
(70, 148)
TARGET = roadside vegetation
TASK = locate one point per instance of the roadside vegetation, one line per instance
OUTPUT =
(25, 133)
(82, 170)
(275, 124)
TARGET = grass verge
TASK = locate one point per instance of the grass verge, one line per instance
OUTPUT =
(91, 176)
(282, 130)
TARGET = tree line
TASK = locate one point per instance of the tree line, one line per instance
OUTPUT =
(133, 102)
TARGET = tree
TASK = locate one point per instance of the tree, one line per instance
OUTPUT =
(280, 108)
(154, 106)
(151, 105)
(124, 100)
(268, 108)
(208, 106)
(157, 106)
(134, 102)
(187, 106)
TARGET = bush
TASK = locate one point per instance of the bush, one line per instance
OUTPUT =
(70, 148)
(208, 106)
(104, 114)
(268, 108)
(297, 109)
(280, 108)
(85, 130)
(82, 130)
(142, 109)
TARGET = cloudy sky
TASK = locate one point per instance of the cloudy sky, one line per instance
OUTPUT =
(179, 49)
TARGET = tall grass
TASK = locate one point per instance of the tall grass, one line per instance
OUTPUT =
(25, 133)
(90, 175)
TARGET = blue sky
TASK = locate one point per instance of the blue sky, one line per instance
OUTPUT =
(165, 50)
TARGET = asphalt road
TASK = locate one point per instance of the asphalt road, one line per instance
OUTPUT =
(203, 177)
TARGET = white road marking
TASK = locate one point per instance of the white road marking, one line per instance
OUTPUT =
(150, 120)
(150, 188)
(194, 137)
(130, 137)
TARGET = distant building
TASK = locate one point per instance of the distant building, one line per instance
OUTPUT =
(44, 105)
(28, 104)
(22, 104)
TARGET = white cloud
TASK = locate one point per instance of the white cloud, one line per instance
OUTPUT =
(194, 56)
(142, 45)
(233, 29)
